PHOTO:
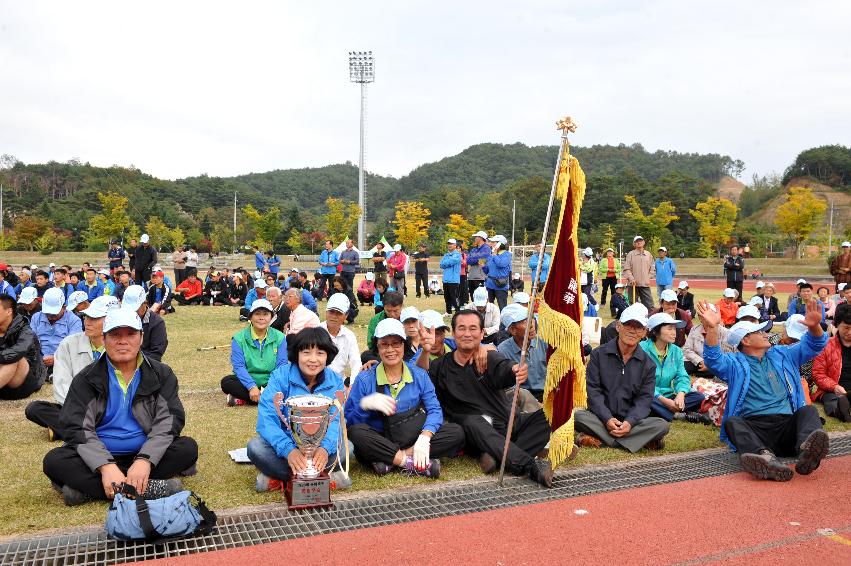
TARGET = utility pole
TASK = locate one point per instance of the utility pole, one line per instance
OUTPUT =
(361, 71)
(234, 222)
(1, 209)
(829, 231)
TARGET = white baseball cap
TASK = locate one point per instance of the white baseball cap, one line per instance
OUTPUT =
(661, 318)
(53, 301)
(390, 327)
(499, 238)
(258, 275)
(451, 241)
(760, 284)
(730, 293)
(747, 310)
(663, 249)
(610, 250)
(337, 302)
(370, 276)
(513, 313)
(480, 297)
(841, 286)
(620, 285)
(588, 252)
(121, 318)
(264, 304)
(800, 281)
(683, 285)
(846, 244)
(794, 327)
(104, 272)
(27, 296)
(756, 301)
(134, 296)
(668, 295)
(637, 312)
(636, 239)
(259, 284)
(77, 297)
(481, 234)
(521, 298)
(52, 265)
(99, 307)
(743, 328)
(145, 238)
(33, 267)
(397, 247)
(433, 319)
(409, 313)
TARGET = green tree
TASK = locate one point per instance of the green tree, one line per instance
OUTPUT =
(157, 231)
(296, 241)
(112, 223)
(265, 226)
(800, 215)
(341, 220)
(716, 218)
(28, 229)
(176, 237)
(654, 226)
(412, 223)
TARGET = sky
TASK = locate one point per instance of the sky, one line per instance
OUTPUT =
(183, 88)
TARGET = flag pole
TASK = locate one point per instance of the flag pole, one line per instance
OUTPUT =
(565, 125)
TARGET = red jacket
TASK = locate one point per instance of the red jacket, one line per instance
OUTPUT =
(827, 366)
(191, 290)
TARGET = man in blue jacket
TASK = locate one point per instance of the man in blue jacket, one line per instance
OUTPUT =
(477, 256)
(450, 263)
(498, 270)
(767, 411)
(545, 266)
(329, 259)
(666, 270)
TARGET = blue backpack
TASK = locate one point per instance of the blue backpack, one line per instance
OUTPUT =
(132, 517)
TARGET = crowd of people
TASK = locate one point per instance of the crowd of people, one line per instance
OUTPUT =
(426, 385)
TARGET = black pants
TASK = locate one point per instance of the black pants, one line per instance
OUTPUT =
(65, 467)
(501, 298)
(45, 414)
(608, 283)
(782, 434)
(179, 276)
(737, 285)
(691, 369)
(372, 446)
(473, 284)
(217, 300)
(184, 301)
(450, 297)
(463, 292)
(530, 434)
(838, 406)
(326, 281)
(349, 276)
(421, 278)
(233, 386)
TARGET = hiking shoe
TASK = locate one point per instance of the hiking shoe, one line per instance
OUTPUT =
(339, 480)
(432, 471)
(234, 401)
(765, 466)
(583, 439)
(56, 487)
(243, 318)
(381, 468)
(162, 488)
(693, 417)
(542, 472)
(72, 497)
(658, 444)
(813, 449)
(265, 483)
(190, 471)
(487, 463)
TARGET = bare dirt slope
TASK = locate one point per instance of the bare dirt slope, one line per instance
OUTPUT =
(730, 188)
(841, 204)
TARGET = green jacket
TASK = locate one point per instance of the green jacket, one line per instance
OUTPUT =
(258, 362)
(373, 322)
(671, 376)
(603, 267)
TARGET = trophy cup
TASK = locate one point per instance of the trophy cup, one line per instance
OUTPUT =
(307, 418)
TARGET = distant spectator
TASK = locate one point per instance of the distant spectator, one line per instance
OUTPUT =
(189, 292)
(498, 270)
(366, 289)
(840, 267)
(178, 259)
(728, 307)
(545, 265)
(378, 259)
(666, 271)
(685, 299)
(638, 269)
(609, 271)
(329, 259)
(619, 301)
(116, 256)
(734, 270)
(146, 259)
(451, 266)
(477, 256)
(350, 260)
(421, 258)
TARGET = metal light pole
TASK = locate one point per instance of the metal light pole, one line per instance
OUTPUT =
(361, 71)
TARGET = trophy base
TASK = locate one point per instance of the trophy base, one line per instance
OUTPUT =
(304, 493)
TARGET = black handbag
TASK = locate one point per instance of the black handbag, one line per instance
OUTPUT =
(405, 428)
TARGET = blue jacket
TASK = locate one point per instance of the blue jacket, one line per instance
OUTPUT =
(474, 256)
(666, 270)
(545, 268)
(498, 267)
(308, 301)
(410, 396)
(288, 380)
(93, 292)
(7, 289)
(20, 287)
(259, 261)
(799, 307)
(274, 265)
(329, 257)
(450, 263)
(250, 298)
(735, 370)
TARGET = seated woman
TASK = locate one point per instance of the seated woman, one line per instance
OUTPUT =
(673, 398)
(394, 418)
(341, 286)
(366, 289)
(255, 352)
(828, 302)
(274, 451)
(377, 297)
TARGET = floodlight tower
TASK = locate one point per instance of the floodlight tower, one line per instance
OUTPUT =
(362, 71)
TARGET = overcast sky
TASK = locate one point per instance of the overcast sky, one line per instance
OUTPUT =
(184, 88)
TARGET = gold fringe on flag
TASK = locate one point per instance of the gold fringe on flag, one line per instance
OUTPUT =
(560, 331)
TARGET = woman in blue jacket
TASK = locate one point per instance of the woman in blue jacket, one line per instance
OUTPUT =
(274, 451)
(498, 270)
(393, 415)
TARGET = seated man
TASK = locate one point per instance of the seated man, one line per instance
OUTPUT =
(392, 309)
(106, 280)
(618, 302)
(73, 354)
(514, 318)
(53, 324)
(215, 291)
(832, 368)
(767, 411)
(347, 362)
(300, 317)
(489, 311)
(42, 282)
(77, 303)
(159, 295)
(22, 372)
(154, 333)
(91, 285)
(258, 291)
(111, 442)
(28, 303)
(280, 312)
(189, 292)
(476, 401)
(6, 288)
(800, 304)
(621, 380)
(685, 299)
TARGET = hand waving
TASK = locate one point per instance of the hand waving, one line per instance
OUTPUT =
(427, 338)
(813, 316)
(709, 317)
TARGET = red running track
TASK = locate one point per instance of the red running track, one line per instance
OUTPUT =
(731, 519)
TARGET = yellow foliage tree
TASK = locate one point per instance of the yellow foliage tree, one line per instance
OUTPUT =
(800, 215)
(341, 219)
(716, 218)
(651, 226)
(157, 231)
(112, 223)
(412, 223)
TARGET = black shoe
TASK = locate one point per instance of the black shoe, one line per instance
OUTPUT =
(381, 468)
(487, 463)
(72, 497)
(542, 472)
(693, 417)
(765, 466)
(658, 444)
(843, 409)
(162, 488)
(813, 449)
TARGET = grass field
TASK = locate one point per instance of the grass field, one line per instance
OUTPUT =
(28, 503)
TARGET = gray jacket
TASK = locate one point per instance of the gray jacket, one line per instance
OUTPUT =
(72, 356)
(615, 389)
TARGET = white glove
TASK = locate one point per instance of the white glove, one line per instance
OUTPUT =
(421, 449)
(379, 402)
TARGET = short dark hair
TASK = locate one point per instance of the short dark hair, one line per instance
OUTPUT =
(295, 284)
(61, 270)
(339, 279)
(302, 274)
(7, 301)
(329, 242)
(820, 288)
(842, 314)
(91, 269)
(308, 338)
(803, 286)
(380, 281)
(393, 299)
(41, 272)
(465, 312)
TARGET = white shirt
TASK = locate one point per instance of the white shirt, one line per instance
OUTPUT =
(491, 315)
(349, 354)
